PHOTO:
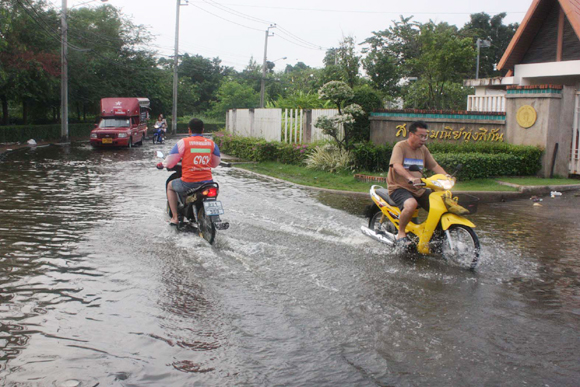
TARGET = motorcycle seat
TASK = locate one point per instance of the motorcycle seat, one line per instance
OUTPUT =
(384, 194)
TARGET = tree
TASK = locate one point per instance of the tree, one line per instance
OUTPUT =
(387, 53)
(445, 57)
(339, 93)
(342, 63)
(484, 26)
(234, 95)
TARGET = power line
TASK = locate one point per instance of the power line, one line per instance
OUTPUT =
(254, 19)
(367, 12)
(241, 25)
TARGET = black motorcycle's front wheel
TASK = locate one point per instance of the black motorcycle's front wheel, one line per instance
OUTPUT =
(460, 245)
(206, 226)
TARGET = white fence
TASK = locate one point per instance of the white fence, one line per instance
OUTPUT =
(288, 125)
(574, 156)
(486, 103)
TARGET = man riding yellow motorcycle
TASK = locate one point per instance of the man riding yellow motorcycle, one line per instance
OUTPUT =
(445, 229)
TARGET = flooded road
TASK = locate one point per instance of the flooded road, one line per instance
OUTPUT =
(96, 289)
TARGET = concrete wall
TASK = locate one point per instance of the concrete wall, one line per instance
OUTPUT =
(392, 129)
(555, 115)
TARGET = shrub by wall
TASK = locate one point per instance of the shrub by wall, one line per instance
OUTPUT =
(479, 160)
(22, 133)
(253, 149)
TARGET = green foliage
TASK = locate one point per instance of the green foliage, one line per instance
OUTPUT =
(370, 157)
(482, 165)
(254, 149)
(450, 95)
(342, 63)
(234, 95)
(484, 26)
(519, 160)
(300, 100)
(329, 158)
(22, 133)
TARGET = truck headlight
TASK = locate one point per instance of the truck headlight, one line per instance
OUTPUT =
(93, 135)
(122, 135)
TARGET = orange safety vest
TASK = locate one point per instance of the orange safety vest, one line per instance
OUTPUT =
(196, 161)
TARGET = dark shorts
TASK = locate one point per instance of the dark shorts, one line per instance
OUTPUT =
(400, 195)
(181, 186)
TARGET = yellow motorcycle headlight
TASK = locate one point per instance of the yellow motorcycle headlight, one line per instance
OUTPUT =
(444, 183)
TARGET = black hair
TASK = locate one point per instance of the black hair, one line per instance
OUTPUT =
(417, 124)
(195, 125)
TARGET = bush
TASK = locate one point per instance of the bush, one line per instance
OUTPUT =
(22, 133)
(479, 160)
(329, 158)
(522, 161)
(255, 149)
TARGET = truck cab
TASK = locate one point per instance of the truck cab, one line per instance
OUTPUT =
(123, 122)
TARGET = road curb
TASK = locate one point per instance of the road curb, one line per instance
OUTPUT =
(484, 196)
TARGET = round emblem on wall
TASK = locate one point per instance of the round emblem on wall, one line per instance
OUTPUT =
(526, 116)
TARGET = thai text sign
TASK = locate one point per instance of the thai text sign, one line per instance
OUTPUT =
(460, 134)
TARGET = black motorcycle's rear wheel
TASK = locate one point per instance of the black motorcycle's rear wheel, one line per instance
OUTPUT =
(206, 226)
(461, 245)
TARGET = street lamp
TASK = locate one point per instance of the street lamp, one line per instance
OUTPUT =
(481, 43)
(175, 64)
(64, 71)
(262, 81)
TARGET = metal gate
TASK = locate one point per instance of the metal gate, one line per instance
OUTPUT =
(574, 159)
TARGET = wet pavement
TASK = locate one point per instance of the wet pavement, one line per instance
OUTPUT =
(95, 288)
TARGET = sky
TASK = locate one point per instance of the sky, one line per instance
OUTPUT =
(234, 30)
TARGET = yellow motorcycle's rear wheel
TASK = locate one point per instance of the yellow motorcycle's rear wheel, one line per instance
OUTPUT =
(378, 227)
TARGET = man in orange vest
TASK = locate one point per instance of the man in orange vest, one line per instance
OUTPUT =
(199, 155)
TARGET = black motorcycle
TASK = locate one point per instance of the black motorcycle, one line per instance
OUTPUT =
(198, 209)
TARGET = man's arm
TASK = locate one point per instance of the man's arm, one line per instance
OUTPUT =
(439, 169)
(401, 171)
(215, 157)
(175, 155)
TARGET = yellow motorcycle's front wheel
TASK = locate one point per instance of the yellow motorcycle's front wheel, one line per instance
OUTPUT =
(461, 245)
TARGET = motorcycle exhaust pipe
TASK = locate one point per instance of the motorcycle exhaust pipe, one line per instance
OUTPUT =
(386, 238)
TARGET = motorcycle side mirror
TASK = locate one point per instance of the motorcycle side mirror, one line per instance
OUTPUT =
(457, 169)
(414, 168)
(160, 154)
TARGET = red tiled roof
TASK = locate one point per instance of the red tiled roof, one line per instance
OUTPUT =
(531, 24)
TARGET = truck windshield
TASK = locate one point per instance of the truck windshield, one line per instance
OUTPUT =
(115, 123)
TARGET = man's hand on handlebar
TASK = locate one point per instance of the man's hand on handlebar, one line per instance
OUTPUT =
(159, 165)
(415, 181)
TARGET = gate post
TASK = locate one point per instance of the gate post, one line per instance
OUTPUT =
(307, 126)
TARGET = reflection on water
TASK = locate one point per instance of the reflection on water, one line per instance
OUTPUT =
(95, 288)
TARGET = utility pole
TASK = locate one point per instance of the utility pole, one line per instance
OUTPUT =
(175, 65)
(263, 80)
(64, 75)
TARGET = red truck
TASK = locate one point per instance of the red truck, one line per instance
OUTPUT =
(123, 122)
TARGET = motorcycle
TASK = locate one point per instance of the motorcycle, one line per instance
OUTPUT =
(158, 135)
(198, 209)
(444, 231)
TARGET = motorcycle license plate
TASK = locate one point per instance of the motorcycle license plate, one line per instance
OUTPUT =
(107, 140)
(213, 208)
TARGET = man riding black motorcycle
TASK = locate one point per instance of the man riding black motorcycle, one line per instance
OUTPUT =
(198, 155)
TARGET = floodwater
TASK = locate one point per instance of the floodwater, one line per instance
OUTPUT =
(96, 289)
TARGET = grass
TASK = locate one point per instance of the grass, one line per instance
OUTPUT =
(538, 181)
(309, 177)
(346, 182)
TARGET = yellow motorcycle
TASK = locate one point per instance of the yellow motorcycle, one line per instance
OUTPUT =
(445, 230)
